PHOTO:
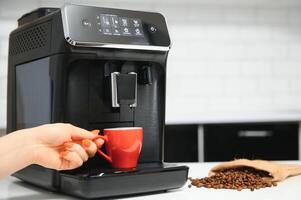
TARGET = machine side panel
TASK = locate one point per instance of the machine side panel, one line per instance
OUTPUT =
(149, 114)
(33, 94)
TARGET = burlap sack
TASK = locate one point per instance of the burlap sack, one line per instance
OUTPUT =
(278, 172)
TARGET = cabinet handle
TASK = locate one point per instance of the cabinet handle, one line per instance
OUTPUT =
(246, 134)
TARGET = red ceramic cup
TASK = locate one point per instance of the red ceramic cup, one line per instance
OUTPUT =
(123, 146)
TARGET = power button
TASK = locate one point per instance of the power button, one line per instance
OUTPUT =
(86, 23)
(152, 29)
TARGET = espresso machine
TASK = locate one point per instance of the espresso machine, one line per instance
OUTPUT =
(95, 68)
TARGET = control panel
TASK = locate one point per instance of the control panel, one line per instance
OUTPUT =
(114, 25)
(114, 28)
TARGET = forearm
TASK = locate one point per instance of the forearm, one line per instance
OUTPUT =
(16, 152)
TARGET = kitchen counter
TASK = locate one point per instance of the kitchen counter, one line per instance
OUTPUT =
(14, 189)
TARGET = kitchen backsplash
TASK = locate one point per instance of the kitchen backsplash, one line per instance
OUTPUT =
(228, 56)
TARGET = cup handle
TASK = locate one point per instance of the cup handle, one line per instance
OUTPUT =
(101, 153)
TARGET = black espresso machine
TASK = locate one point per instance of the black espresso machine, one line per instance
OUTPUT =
(94, 68)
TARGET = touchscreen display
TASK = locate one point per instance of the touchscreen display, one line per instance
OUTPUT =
(108, 24)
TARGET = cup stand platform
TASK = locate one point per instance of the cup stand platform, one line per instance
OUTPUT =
(100, 183)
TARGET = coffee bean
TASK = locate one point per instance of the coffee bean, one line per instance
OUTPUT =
(236, 179)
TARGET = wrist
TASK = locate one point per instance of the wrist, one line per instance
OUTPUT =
(27, 147)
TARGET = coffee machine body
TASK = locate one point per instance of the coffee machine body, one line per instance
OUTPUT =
(95, 68)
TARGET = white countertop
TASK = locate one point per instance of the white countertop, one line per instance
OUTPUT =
(14, 189)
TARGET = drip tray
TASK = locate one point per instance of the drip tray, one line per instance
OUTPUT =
(107, 182)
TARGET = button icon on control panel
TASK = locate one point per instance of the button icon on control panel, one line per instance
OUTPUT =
(107, 31)
(126, 31)
(136, 23)
(124, 21)
(152, 29)
(105, 21)
(115, 22)
(86, 23)
(138, 32)
(99, 30)
(116, 31)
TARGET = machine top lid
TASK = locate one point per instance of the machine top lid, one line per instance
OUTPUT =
(35, 14)
(87, 26)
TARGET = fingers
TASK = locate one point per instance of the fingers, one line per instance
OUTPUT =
(73, 160)
(79, 133)
(74, 147)
(85, 148)
(96, 131)
(74, 154)
(99, 142)
(90, 147)
(85, 143)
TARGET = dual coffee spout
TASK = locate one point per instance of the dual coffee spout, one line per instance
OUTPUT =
(124, 94)
(124, 79)
(124, 89)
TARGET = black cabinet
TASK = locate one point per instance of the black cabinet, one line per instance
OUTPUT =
(270, 141)
(181, 143)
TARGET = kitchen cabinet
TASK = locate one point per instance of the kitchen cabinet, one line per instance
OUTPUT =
(180, 143)
(270, 141)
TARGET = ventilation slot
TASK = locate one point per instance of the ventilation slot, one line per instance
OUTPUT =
(30, 39)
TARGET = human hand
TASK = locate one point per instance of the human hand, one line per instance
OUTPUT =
(62, 146)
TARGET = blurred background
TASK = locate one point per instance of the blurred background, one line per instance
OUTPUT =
(233, 79)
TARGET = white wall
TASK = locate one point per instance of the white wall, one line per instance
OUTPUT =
(228, 56)
(245, 58)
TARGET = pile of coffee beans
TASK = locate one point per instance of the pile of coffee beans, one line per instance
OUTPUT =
(236, 179)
